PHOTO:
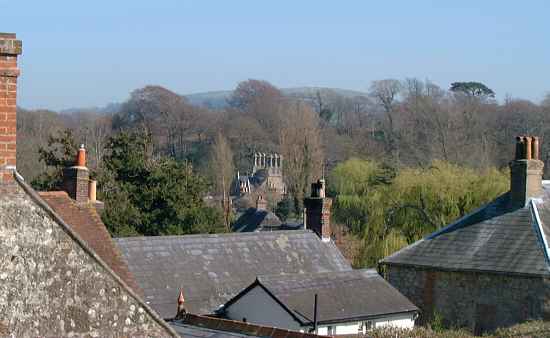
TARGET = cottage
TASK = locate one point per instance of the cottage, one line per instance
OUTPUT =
(332, 303)
(490, 268)
(261, 219)
(211, 269)
(52, 282)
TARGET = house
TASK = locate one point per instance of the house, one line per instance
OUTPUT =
(52, 281)
(261, 219)
(190, 325)
(213, 268)
(266, 179)
(346, 302)
(490, 268)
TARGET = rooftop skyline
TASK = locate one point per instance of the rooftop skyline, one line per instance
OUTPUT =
(81, 54)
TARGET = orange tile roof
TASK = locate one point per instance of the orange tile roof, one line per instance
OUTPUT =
(86, 222)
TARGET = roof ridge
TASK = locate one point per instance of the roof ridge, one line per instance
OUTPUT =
(225, 234)
(86, 248)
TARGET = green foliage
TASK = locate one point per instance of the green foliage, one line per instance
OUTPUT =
(149, 196)
(284, 208)
(389, 210)
(472, 88)
(60, 153)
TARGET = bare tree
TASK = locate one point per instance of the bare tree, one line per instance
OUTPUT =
(221, 172)
(386, 93)
(301, 148)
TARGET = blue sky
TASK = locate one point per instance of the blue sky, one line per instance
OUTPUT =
(90, 53)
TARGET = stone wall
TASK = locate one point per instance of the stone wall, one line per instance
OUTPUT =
(52, 285)
(478, 301)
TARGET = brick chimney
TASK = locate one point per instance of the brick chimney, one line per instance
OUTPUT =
(317, 211)
(10, 48)
(525, 172)
(76, 179)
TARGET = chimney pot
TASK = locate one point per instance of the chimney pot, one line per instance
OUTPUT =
(81, 156)
(535, 148)
(527, 147)
(92, 190)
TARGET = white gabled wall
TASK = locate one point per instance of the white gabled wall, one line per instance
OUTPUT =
(258, 307)
(405, 321)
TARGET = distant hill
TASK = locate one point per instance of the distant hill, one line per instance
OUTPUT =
(110, 108)
(218, 99)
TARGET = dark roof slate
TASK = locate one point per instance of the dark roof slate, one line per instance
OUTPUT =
(211, 269)
(492, 239)
(201, 326)
(342, 296)
(255, 220)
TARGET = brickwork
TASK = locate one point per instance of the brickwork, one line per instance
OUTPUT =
(76, 182)
(10, 48)
(318, 215)
(478, 301)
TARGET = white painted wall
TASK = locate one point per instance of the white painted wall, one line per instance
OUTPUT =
(405, 321)
(259, 308)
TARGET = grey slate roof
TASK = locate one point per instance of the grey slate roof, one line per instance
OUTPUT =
(342, 296)
(211, 269)
(201, 326)
(256, 219)
(491, 239)
(186, 330)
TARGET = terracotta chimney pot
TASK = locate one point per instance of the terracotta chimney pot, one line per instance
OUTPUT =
(81, 156)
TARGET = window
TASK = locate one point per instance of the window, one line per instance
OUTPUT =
(369, 325)
(331, 330)
(365, 326)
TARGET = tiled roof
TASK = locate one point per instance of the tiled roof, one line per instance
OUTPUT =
(86, 222)
(254, 219)
(201, 326)
(342, 296)
(494, 238)
(211, 269)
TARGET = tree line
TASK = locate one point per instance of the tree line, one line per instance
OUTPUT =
(398, 126)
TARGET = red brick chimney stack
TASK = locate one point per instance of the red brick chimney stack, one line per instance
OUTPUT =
(76, 179)
(526, 171)
(10, 48)
(317, 211)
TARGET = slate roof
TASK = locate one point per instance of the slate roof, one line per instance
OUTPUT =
(255, 220)
(211, 269)
(494, 238)
(201, 326)
(342, 296)
(86, 222)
